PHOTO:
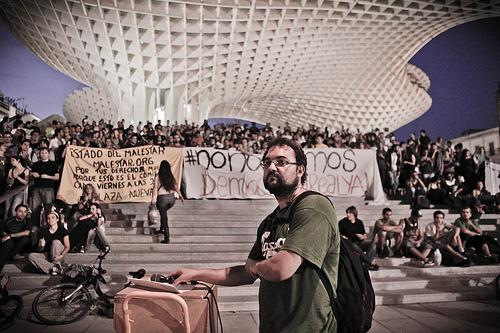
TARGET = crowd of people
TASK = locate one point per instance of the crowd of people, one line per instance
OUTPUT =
(420, 171)
(462, 243)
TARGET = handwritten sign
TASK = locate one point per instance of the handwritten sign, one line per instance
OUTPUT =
(344, 173)
(122, 175)
(211, 173)
(224, 174)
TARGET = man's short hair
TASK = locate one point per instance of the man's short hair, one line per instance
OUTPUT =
(45, 148)
(300, 156)
(437, 212)
(353, 210)
(21, 205)
(386, 210)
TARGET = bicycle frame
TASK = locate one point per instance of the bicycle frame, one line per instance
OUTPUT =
(93, 280)
(71, 297)
(79, 295)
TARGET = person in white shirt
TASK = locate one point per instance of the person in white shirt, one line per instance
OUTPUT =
(446, 238)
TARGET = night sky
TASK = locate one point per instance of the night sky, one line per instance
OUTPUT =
(463, 64)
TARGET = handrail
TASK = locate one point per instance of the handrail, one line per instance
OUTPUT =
(162, 296)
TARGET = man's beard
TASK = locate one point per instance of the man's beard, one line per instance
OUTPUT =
(279, 188)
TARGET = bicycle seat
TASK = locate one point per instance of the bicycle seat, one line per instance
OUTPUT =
(139, 274)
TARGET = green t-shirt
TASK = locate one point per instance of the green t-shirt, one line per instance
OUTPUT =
(460, 223)
(300, 303)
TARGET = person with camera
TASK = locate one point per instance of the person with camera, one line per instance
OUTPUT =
(288, 250)
(89, 228)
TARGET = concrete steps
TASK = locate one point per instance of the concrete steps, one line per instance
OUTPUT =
(388, 291)
(393, 284)
(133, 239)
(183, 231)
(220, 233)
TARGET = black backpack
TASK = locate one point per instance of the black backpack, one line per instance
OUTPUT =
(355, 302)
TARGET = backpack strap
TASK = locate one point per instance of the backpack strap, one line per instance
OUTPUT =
(322, 276)
(291, 208)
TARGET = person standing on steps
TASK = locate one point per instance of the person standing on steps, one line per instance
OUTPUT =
(288, 251)
(165, 192)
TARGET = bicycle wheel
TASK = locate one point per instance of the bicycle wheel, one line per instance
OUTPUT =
(50, 307)
(10, 308)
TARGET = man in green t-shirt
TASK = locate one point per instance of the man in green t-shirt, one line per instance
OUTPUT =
(471, 234)
(287, 250)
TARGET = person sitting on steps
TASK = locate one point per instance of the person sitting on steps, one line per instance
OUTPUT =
(446, 238)
(352, 228)
(53, 245)
(414, 243)
(472, 236)
(15, 233)
(90, 228)
(387, 230)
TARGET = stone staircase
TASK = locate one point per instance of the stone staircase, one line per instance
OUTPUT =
(220, 233)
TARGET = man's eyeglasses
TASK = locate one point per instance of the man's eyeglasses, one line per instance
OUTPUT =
(279, 163)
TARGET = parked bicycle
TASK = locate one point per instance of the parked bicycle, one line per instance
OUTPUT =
(68, 302)
(10, 305)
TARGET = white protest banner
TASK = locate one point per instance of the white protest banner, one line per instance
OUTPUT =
(344, 173)
(492, 172)
(224, 174)
(121, 175)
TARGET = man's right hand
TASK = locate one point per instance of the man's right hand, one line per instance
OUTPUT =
(41, 242)
(183, 275)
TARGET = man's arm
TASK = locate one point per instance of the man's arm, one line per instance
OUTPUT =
(20, 234)
(395, 228)
(361, 236)
(229, 276)
(466, 231)
(54, 177)
(476, 228)
(360, 232)
(279, 267)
